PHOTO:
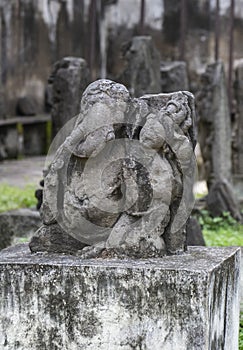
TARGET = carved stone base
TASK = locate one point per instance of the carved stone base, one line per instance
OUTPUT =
(62, 302)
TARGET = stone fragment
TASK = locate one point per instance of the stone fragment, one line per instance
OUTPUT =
(178, 302)
(27, 106)
(237, 149)
(122, 180)
(17, 224)
(194, 233)
(53, 239)
(142, 72)
(214, 124)
(174, 76)
(221, 199)
(69, 78)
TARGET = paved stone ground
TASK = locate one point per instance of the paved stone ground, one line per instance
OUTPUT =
(22, 172)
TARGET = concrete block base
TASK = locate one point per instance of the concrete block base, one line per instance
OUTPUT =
(61, 302)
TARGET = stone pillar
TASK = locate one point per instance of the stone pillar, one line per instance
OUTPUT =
(174, 76)
(238, 134)
(142, 72)
(214, 124)
(63, 302)
(69, 78)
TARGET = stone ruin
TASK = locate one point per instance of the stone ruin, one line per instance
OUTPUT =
(214, 124)
(141, 74)
(215, 141)
(174, 76)
(237, 149)
(121, 182)
(119, 189)
(145, 73)
(68, 80)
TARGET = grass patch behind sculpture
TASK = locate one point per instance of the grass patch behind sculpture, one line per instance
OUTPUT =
(221, 231)
(12, 197)
(241, 332)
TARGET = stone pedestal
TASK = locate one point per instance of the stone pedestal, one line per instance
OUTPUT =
(178, 302)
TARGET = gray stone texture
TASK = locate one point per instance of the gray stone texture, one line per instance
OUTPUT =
(16, 224)
(214, 124)
(27, 105)
(9, 141)
(174, 76)
(122, 180)
(237, 149)
(60, 28)
(194, 233)
(69, 78)
(221, 199)
(25, 135)
(62, 302)
(35, 138)
(141, 73)
(238, 137)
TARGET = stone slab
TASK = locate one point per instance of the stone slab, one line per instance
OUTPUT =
(40, 118)
(181, 302)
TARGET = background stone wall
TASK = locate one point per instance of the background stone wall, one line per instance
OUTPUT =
(36, 33)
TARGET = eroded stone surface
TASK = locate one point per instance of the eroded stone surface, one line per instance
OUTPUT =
(17, 223)
(237, 146)
(50, 301)
(142, 72)
(214, 124)
(123, 178)
(69, 78)
(174, 76)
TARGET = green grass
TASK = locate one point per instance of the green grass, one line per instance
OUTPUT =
(221, 231)
(12, 197)
(241, 332)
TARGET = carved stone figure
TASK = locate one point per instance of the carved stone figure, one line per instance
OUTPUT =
(121, 182)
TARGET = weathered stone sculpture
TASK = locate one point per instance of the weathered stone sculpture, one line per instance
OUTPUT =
(121, 183)
(142, 72)
(68, 80)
